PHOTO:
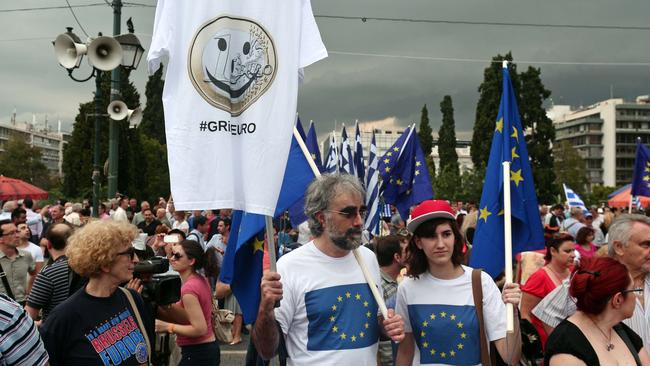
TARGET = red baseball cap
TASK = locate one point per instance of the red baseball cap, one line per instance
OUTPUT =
(428, 210)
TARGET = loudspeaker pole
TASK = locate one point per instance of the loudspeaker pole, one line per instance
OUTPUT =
(114, 132)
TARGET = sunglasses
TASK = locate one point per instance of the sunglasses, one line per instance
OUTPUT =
(129, 252)
(636, 291)
(177, 256)
(351, 212)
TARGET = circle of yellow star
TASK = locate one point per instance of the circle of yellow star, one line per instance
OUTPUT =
(499, 126)
(484, 214)
(516, 177)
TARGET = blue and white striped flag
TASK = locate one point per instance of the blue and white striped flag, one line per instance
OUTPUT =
(572, 198)
(372, 191)
(359, 165)
(332, 159)
(346, 159)
(636, 202)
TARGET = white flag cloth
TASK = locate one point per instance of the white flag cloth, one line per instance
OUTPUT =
(230, 96)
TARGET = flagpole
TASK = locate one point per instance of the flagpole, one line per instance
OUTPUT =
(357, 254)
(507, 229)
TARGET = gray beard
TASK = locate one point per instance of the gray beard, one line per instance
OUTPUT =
(349, 240)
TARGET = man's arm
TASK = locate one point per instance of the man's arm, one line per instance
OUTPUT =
(266, 336)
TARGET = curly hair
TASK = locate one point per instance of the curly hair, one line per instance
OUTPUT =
(96, 245)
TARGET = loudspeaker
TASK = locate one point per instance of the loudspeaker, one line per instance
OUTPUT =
(105, 53)
(68, 52)
(117, 110)
(134, 116)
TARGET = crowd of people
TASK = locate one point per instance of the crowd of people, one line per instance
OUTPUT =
(69, 297)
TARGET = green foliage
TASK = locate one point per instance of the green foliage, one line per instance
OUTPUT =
(472, 185)
(598, 195)
(156, 182)
(425, 133)
(21, 161)
(78, 153)
(153, 117)
(570, 167)
(447, 139)
(447, 185)
(488, 108)
(532, 95)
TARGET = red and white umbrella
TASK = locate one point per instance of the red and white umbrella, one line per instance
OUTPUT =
(13, 189)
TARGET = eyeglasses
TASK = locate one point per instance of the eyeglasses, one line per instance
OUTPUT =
(636, 291)
(129, 252)
(10, 233)
(351, 212)
(177, 256)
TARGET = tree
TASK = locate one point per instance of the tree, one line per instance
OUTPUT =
(78, 153)
(22, 161)
(570, 167)
(471, 185)
(448, 181)
(156, 172)
(426, 141)
(599, 195)
(533, 116)
(153, 117)
(488, 108)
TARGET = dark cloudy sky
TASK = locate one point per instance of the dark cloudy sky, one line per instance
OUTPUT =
(413, 63)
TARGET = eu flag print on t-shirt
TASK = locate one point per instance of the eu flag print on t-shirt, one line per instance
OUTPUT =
(446, 334)
(341, 317)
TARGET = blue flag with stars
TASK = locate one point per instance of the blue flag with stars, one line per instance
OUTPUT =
(312, 146)
(641, 175)
(242, 262)
(405, 178)
(508, 144)
(341, 317)
(446, 334)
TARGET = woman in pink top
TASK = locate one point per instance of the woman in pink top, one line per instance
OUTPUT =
(190, 319)
(584, 241)
(560, 254)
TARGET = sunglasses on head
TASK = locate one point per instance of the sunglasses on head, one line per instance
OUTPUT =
(129, 252)
(352, 212)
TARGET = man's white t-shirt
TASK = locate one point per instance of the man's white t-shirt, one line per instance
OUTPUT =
(231, 87)
(328, 314)
(35, 251)
(442, 318)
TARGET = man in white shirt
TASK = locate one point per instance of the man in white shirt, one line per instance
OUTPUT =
(200, 230)
(327, 313)
(120, 213)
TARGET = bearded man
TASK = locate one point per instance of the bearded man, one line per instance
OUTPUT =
(327, 314)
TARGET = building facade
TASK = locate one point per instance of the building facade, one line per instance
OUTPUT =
(605, 135)
(50, 143)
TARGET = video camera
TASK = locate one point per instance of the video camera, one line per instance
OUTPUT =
(158, 289)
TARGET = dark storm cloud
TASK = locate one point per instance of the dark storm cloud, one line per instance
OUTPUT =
(344, 88)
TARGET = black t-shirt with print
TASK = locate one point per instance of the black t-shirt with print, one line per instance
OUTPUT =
(87, 330)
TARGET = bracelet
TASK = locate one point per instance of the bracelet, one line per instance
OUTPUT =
(170, 328)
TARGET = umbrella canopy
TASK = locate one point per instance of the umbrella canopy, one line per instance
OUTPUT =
(621, 198)
(13, 189)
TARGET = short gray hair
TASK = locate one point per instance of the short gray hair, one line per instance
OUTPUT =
(621, 230)
(322, 191)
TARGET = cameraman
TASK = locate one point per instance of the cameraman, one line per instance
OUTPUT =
(99, 324)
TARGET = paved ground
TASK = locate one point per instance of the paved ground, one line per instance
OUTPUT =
(234, 355)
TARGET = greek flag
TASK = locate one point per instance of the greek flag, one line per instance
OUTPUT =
(359, 165)
(572, 198)
(332, 159)
(346, 159)
(372, 189)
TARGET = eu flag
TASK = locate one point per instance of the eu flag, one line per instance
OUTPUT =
(341, 317)
(242, 263)
(405, 179)
(641, 175)
(508, 144)
(446, 334)
(312, 146)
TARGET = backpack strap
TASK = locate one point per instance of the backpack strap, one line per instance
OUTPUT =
(477, 292)
(136, 312)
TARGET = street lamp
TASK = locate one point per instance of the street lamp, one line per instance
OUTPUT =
(104, 54)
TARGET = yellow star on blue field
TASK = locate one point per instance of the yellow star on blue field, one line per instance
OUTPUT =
(514, 153)
(396, 148)
(258, 245)
(646, 178)
(389, 153)
(647, 169)
(515, 134)
(516, 177)
(499, 126)
(484, 214)
(417, 163)
(386, 161)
